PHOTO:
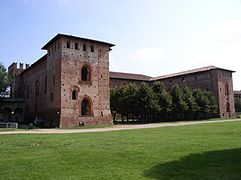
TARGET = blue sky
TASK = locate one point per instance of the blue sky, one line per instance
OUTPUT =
(152, 37)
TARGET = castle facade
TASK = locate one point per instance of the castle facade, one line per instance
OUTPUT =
(70, 85)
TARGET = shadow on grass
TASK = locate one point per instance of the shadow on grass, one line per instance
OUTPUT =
(224, 164)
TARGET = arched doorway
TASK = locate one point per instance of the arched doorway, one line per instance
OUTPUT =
(86, 107)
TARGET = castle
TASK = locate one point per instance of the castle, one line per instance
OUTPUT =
(70, 85)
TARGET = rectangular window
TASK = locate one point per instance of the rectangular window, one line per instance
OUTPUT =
(68, 44)
(76, 46)
(84, 47)
(92, 48)
(51, 97)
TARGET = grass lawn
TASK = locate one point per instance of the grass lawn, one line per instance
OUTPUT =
(10, 129)
(205, 151)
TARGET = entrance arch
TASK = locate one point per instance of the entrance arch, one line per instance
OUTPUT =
(86, 106)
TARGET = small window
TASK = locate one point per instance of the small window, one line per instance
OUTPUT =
(170, 82)
(76, 46)
(85, 73)
(226, 89)
(58, 45)
(51, 97)
(84, 47)
(195, 77)
(68, 44)
(74, 95)
(183, 80)
(92, 48)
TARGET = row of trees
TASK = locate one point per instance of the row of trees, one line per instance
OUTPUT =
(237, 103)
(155, 103)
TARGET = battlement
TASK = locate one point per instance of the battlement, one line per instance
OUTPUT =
(16, 68)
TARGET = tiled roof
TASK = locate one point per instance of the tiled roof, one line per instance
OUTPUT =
(237, 92)
(207, 68)
(121, 75)
(76, 37)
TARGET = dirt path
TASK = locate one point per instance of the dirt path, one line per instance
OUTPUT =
(116, 127)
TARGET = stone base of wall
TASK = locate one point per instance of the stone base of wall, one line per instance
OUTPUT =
(86, 121)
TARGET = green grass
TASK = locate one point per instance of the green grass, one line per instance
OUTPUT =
(206, 151)
(10, 129)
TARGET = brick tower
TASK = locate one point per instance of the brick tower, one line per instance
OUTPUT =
(78, 81)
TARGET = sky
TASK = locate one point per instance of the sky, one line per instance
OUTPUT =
(152, 37)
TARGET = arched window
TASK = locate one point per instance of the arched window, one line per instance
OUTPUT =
(74, 95)
(226, 89)
(85, 107)
(85, 73)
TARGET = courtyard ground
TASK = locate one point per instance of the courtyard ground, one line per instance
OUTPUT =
(113, 128)
(200, 151)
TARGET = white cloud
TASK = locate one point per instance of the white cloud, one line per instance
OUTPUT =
(150, 54)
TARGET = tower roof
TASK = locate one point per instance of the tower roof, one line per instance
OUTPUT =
(75, 37)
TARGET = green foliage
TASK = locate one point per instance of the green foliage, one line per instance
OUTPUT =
(207, 151)
(156, 103)
(206, 102)
(4, 83)
(179, 106)
(164, 99)
(146, 100)
(237, 105)
(191, 103)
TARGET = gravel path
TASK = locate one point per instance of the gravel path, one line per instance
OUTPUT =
(116, 127)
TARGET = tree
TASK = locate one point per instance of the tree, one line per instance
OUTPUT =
(164, 99)
(191, 103)
(179, 106)
(237, 105)
(147, 102)
(4, 83)
(129, 99)
(206, 102)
